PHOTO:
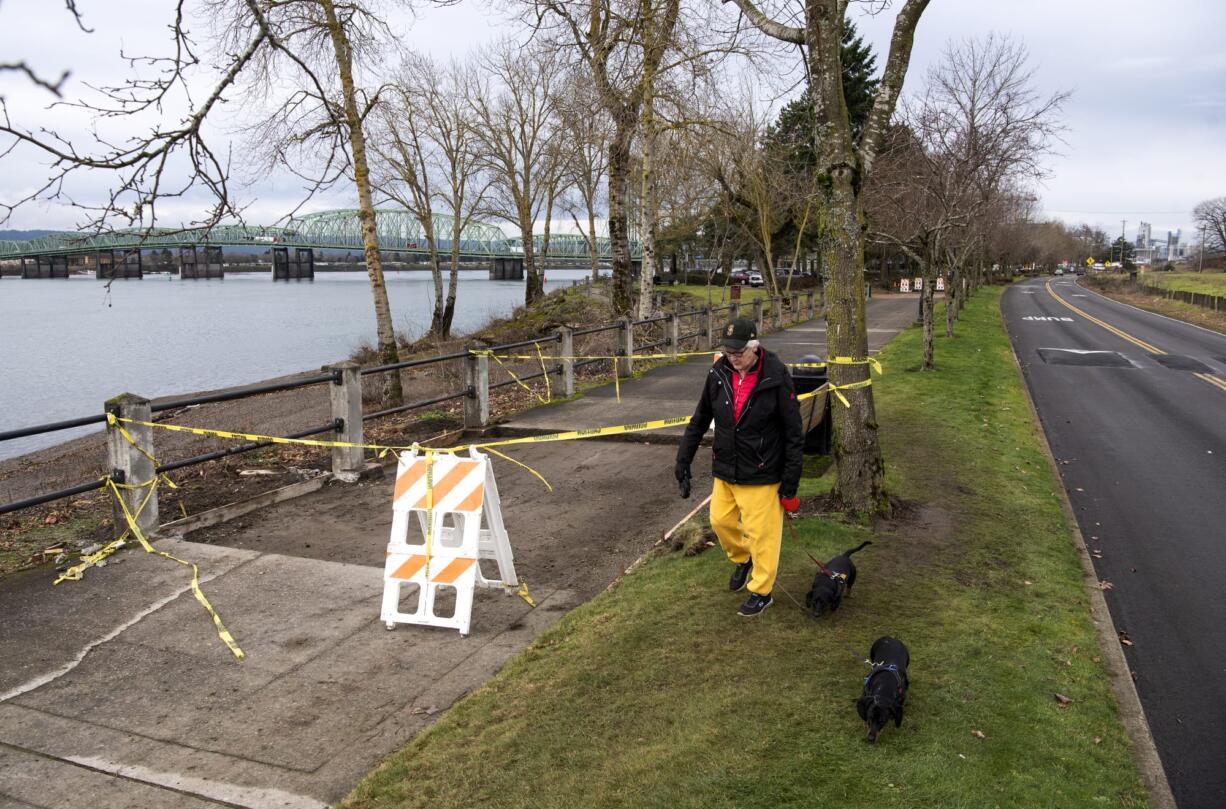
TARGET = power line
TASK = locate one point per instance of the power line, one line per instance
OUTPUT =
(1117, 213)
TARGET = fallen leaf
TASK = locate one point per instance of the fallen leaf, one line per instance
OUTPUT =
(1097, 554)
(1105, 585)
(961, 756)
(978, 734)
(1124, 639)
(1098, 739)
(1027, 583)
(1063, 700)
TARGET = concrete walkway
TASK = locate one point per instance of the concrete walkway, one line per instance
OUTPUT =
(115, 691)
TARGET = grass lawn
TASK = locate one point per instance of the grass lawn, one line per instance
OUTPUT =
(719, 294)
(655, 694)
(1210, 283)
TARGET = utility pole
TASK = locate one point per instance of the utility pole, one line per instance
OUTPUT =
(1123, 225)
(1201, 264)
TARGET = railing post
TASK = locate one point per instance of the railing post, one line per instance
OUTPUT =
(477, 404)
(734, 310)
(812, 304)
(795, 307)
(757, 314)
(566, 349)
(625, 359)
(132, 464)
(674, 335)
(777, 311)
(346, 396)
(710, 327)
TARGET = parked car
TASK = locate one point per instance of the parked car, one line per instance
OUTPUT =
(755, 279)
(738, 277)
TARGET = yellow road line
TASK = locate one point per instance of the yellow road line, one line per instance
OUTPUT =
(1215, 381)
(1117, 332)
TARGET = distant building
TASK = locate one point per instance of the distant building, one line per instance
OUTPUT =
(1144, 236)
(1175, 248)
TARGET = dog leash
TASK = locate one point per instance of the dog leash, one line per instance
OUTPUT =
(846, 646)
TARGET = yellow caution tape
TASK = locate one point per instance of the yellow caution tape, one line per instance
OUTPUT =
(522, 592)
(864, 383)
(272, 439)
(871, 361)
(518, 381)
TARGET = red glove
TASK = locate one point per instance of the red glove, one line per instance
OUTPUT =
(790, 504)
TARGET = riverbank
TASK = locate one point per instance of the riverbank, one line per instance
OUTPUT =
(58, 532)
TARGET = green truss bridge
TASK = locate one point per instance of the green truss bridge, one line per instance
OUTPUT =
(118, 254)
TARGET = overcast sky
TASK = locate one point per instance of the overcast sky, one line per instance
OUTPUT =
(1147, 118)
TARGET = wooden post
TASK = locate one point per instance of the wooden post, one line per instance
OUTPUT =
(477, 404)
(674, 335)
(757, 314)
(777, 311)
(710, 328)
(812, 304)
(346, 397)
(625, 360)
(795, 307)
(132, 464)
(566, 349)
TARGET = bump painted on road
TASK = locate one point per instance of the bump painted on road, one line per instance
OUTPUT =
(1178, 362)
(1083, 358)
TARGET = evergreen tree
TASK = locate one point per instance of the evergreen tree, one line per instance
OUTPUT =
(791, 136)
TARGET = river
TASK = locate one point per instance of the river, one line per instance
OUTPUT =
(66, 346)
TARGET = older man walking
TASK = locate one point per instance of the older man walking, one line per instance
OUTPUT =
(756, 457)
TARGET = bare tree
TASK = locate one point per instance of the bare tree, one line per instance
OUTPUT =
(428, 144)
(587, 125)
(844, 166)
(978, 130)
(1210, 217)
(311, 47)
(623, 43)
(516, 110)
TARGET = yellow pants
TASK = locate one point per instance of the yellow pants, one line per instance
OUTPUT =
(749, 523)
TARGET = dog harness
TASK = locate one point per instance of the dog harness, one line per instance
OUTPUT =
(878, 668)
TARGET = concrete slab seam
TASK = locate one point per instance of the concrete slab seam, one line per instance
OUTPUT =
(1132, 714)
(52, 676)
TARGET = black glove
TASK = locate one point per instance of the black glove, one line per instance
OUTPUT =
(787, 491)
(682, 473)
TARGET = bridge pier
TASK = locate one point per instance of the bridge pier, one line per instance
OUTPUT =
(188, 267)
(213, 266)
(302, 267)
(507, 269)
(130, 265)
(46, 267)
(29, 267)
(104, 265)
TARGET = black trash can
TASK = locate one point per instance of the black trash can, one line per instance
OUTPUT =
(814, 411)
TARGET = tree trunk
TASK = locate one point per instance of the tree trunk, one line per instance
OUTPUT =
(593, 252)
(393, 395)
(951, 301)
(861, 474)
(928, 295)
(454, 277)
(619, 236)
(647, 213)
(534, 290)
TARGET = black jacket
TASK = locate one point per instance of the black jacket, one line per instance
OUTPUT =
(767, 444)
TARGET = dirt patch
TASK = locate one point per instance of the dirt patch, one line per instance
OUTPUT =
(609, 504)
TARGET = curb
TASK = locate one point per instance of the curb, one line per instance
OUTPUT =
(1144, 751)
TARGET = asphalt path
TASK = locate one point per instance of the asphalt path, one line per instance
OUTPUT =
(1134, 407)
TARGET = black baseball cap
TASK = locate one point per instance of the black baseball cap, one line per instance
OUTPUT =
(738, 332)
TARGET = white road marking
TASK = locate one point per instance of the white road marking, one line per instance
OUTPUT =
(1048, 318)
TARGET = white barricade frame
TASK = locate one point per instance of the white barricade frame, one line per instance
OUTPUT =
(452, 501)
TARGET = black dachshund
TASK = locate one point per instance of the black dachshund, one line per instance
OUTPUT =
(885, 687)
(832, 581)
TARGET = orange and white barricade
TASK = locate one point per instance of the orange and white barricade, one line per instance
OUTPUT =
(447, 497)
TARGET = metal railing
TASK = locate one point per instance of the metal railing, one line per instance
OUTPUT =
(348, 419)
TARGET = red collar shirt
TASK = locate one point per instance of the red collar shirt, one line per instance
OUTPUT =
(742, 387)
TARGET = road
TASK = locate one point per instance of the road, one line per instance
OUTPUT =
(1134, 407)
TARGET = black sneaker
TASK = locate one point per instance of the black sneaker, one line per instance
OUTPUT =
(740, 575)
(755, 604)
